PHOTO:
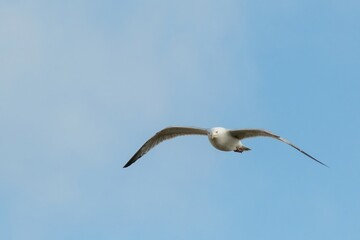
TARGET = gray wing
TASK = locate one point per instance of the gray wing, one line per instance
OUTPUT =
(248, 133)
(165, 134)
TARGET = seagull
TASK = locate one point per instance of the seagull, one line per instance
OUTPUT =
(221, 138)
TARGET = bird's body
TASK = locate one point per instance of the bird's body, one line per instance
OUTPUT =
(221, 138)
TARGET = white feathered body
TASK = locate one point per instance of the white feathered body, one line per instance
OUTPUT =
(221, 139)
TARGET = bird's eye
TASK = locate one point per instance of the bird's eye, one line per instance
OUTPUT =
(216, 132)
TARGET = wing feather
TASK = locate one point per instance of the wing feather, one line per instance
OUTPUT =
(248, 133)
(165, 134)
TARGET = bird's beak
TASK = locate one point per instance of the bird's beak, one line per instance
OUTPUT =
(212, 136)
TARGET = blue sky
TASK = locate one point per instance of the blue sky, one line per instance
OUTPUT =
(84, 83)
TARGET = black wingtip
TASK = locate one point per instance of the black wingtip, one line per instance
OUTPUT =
(127, 164)
(131, 161)
(324, 164)
(316, 160)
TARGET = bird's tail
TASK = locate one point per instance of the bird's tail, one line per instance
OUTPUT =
(245, 148)
(241, 149)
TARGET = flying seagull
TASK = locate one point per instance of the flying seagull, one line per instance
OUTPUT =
(221, 138)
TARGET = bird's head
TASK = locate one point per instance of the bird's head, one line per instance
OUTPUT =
(215, 132)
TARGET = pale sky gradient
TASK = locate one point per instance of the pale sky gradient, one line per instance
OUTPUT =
(83, 84)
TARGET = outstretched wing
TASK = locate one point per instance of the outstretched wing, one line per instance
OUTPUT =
(165, 134)
(248, 133)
